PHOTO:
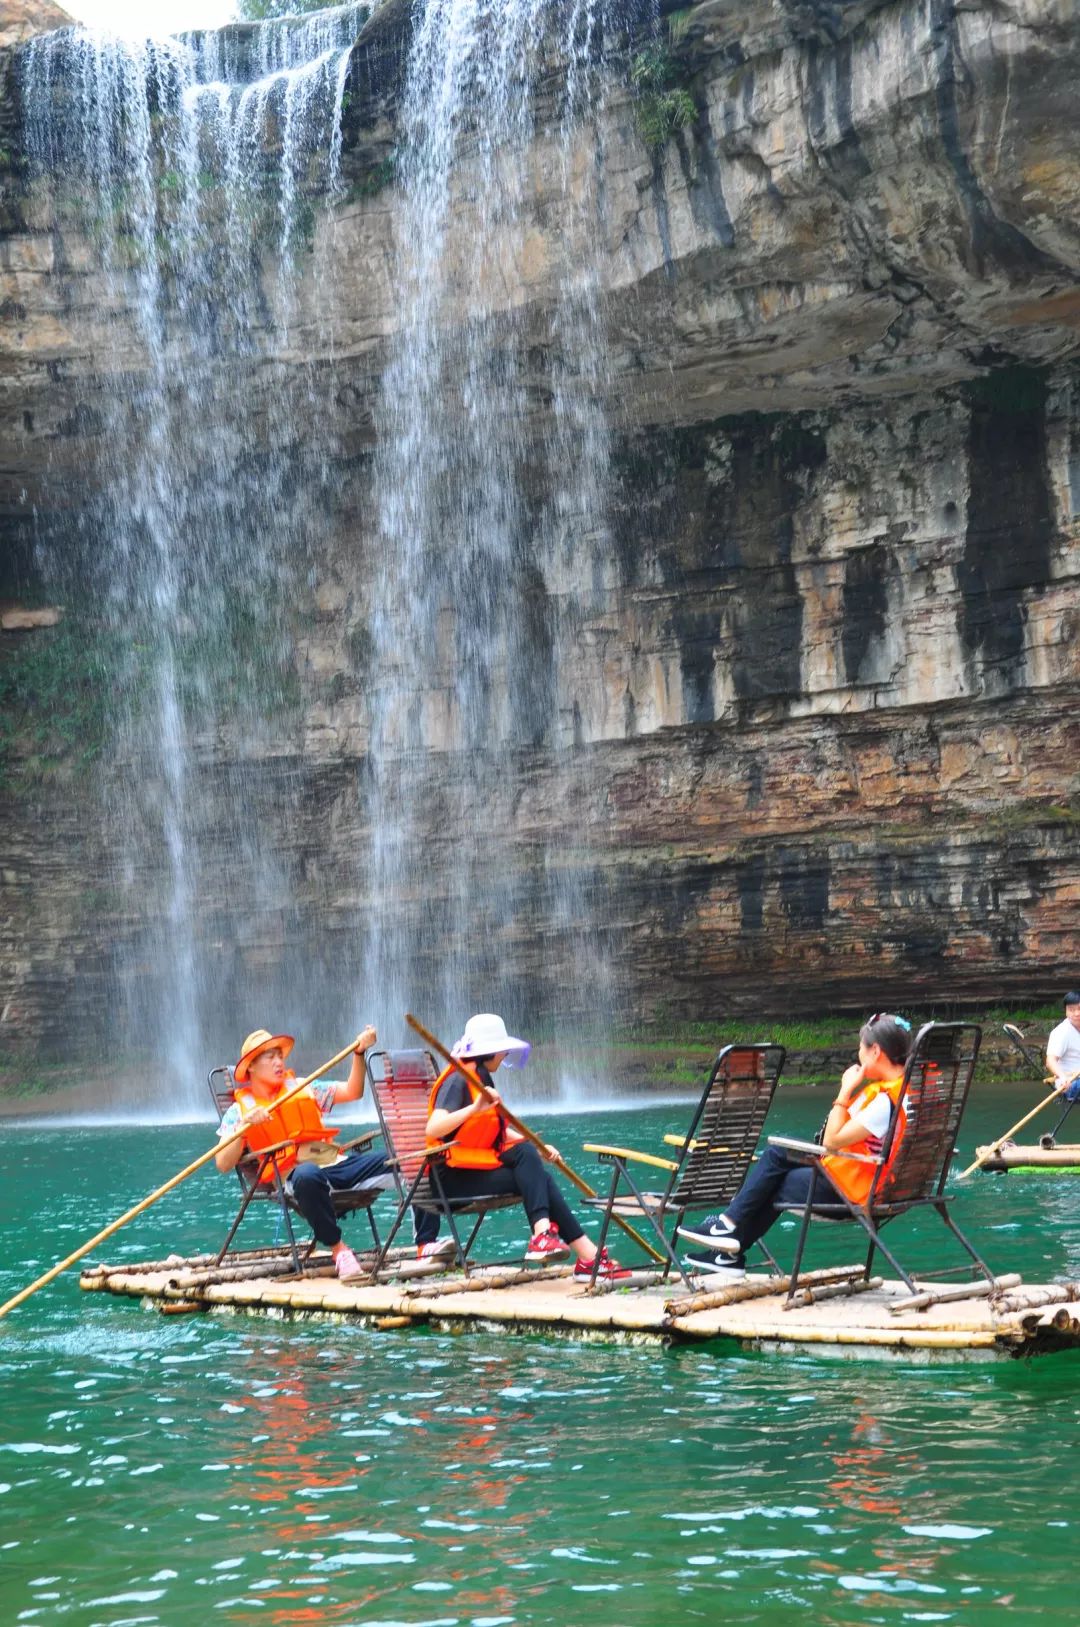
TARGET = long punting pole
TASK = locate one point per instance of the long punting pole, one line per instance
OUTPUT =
(524, 1131)
(226, 1141)
(995, 1146)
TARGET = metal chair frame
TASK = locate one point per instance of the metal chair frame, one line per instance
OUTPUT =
(250, 1170)
(717, 1151)
(937, 1079)
(401, 1084)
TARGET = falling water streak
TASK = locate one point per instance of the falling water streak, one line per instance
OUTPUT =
(145, 118)
(452, 450)
(580, 443)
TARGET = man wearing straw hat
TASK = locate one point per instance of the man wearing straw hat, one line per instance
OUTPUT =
(314, 1170)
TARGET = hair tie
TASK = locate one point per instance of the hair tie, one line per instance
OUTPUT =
(888, 1017)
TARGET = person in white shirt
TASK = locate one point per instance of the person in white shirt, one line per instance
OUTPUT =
(1063, 1046)
(1063, 1063)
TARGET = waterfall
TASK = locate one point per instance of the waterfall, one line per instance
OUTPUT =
(190, 165)
(200, 169)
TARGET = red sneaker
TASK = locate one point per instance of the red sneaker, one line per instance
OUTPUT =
(544, 1246)
(608, 1270)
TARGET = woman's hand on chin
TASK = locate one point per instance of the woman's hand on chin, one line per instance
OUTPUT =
(853, 1079)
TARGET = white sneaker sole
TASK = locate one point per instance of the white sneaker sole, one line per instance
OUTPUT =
(728, 1273)
(725, 1243)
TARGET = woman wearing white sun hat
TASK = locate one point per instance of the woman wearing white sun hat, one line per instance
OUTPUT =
(486, 1158)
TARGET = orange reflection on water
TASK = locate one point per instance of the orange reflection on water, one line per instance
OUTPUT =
(869, 1480)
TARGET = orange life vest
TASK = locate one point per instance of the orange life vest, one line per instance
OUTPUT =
(477, 1143)
(296, 1122)
(853, 1178)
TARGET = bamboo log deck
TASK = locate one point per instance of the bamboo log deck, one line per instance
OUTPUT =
(1027, 1159)
(1014, 1320)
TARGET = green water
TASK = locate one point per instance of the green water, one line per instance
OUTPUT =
(192, 1470)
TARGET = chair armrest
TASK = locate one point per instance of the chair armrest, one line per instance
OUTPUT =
(364, 1140)
(811, 1149)
(433, 1155)
(629, 1154)
(692, 1146)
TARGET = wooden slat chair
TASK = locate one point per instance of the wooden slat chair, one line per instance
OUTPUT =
(937, 1079)
(249, 1172)
(717, 1150)
(401, 1084)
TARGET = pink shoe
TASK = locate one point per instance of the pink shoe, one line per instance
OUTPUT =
(543, 1246)
(347, 1266)
(440, 1249)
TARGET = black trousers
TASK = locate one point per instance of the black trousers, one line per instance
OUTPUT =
(313, 1188)
(523, 1172)
(774, 1179)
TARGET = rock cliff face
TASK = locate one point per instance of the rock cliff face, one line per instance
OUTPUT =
(21, 19)
(814, 735)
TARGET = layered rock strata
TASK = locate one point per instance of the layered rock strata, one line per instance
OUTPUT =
(813, 733)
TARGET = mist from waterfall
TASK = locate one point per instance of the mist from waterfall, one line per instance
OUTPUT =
(200, 169)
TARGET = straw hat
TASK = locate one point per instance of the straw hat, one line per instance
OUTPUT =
(485, 1035)
(258, 1041)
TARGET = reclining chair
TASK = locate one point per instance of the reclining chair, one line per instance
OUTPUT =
(937, 1079)
(716, 1151)
(401, 1084)
(252, 1167)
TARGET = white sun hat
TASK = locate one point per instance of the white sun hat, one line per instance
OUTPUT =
(485, 1035)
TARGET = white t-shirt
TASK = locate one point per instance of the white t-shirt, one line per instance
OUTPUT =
(873, 1116)
(1064, 1046)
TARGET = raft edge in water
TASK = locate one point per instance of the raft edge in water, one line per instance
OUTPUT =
(556, 1305)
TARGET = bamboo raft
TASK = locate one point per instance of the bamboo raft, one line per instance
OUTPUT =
(1031, 1159)
(835, 1313)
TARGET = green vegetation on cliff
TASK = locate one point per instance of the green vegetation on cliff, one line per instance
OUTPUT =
(664, 105)
(64, 691)
(257, 11)
(56, 690)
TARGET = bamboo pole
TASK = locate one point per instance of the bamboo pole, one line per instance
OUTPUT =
(946, 1296)
(523, 1130)
(479, 1284)
(986, 1153)
(832, 1290)
(174, 1261)
(646, 1278)
(1058, 1317)
(315, 1265)
(1025, 1299)
(890, 1338)
(159, 1192)
(738, 1291)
